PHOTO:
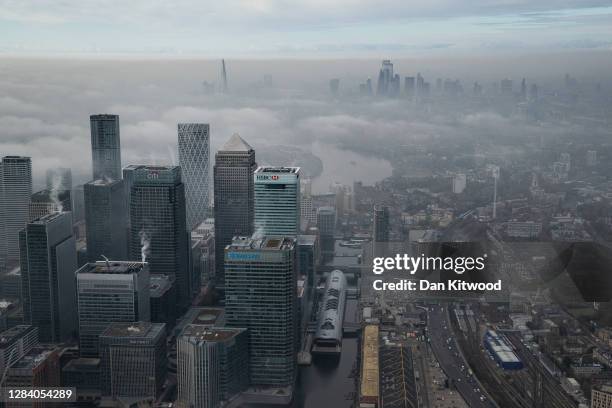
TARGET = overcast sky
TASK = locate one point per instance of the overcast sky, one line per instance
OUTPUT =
(336, 28)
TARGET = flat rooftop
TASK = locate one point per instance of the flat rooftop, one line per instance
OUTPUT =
(100, 116)
(8, 336)
(205, 333)
(103, 182)
(307, 239)
(203, 316)
(133, 330)
(82, 364)
(34, 358)
(370, 369)
(113, 267)
(47, 218)
(16, 158)
(265, 243)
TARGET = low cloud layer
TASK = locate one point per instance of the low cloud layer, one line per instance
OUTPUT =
(45, 108)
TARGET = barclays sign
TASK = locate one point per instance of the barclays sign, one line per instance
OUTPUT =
(243, 256)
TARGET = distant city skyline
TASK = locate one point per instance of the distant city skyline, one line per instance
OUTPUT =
(308, 27)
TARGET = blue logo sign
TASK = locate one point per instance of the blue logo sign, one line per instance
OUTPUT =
(243, 256)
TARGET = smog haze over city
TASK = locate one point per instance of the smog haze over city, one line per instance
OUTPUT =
(347, 203)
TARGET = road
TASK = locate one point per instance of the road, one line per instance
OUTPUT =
(451, 360)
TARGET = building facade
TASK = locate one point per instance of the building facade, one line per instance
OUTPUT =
(601, 396)
(133, 360)
(105, 146)
(106, 219)
(158, 229)
(48, 262)
(15, 193)
(194, 159)
(308, 249)
(49, 201)
(326, 223)
(108, 293)
(277, 201)
(381, 224)
(261, 296)
(212, 365)
(234, 197)
(40, 367)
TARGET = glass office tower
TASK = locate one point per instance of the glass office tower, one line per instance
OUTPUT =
(158, 229)
(277, 201)
(110, 292)
(105, 147)
(106, 219)
(15, 193)
(261, 296)
(234, 196)
(194, 153)
(48, 262)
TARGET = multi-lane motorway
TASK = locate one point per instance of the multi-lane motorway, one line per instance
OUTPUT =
(451, 359)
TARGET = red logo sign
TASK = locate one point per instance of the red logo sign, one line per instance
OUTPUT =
(274, 177)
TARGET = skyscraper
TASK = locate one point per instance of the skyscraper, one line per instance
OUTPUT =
(326, 223)
(133, 360)
(106, 219)
(277, 201)
(212, 365)
(15, 193)
(48, 262)
(234, 196)
(261, 296)
(308, 250)
(193, 149)
(506, 86)
(105, 146)
(385, 77)
(381, 223)
(158, 230)
(77, 196)
(110, 292)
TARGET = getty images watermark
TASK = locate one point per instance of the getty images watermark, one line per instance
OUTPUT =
(412, 265)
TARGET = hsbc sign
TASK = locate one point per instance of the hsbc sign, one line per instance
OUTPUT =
(275, 178)
(266, 177)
